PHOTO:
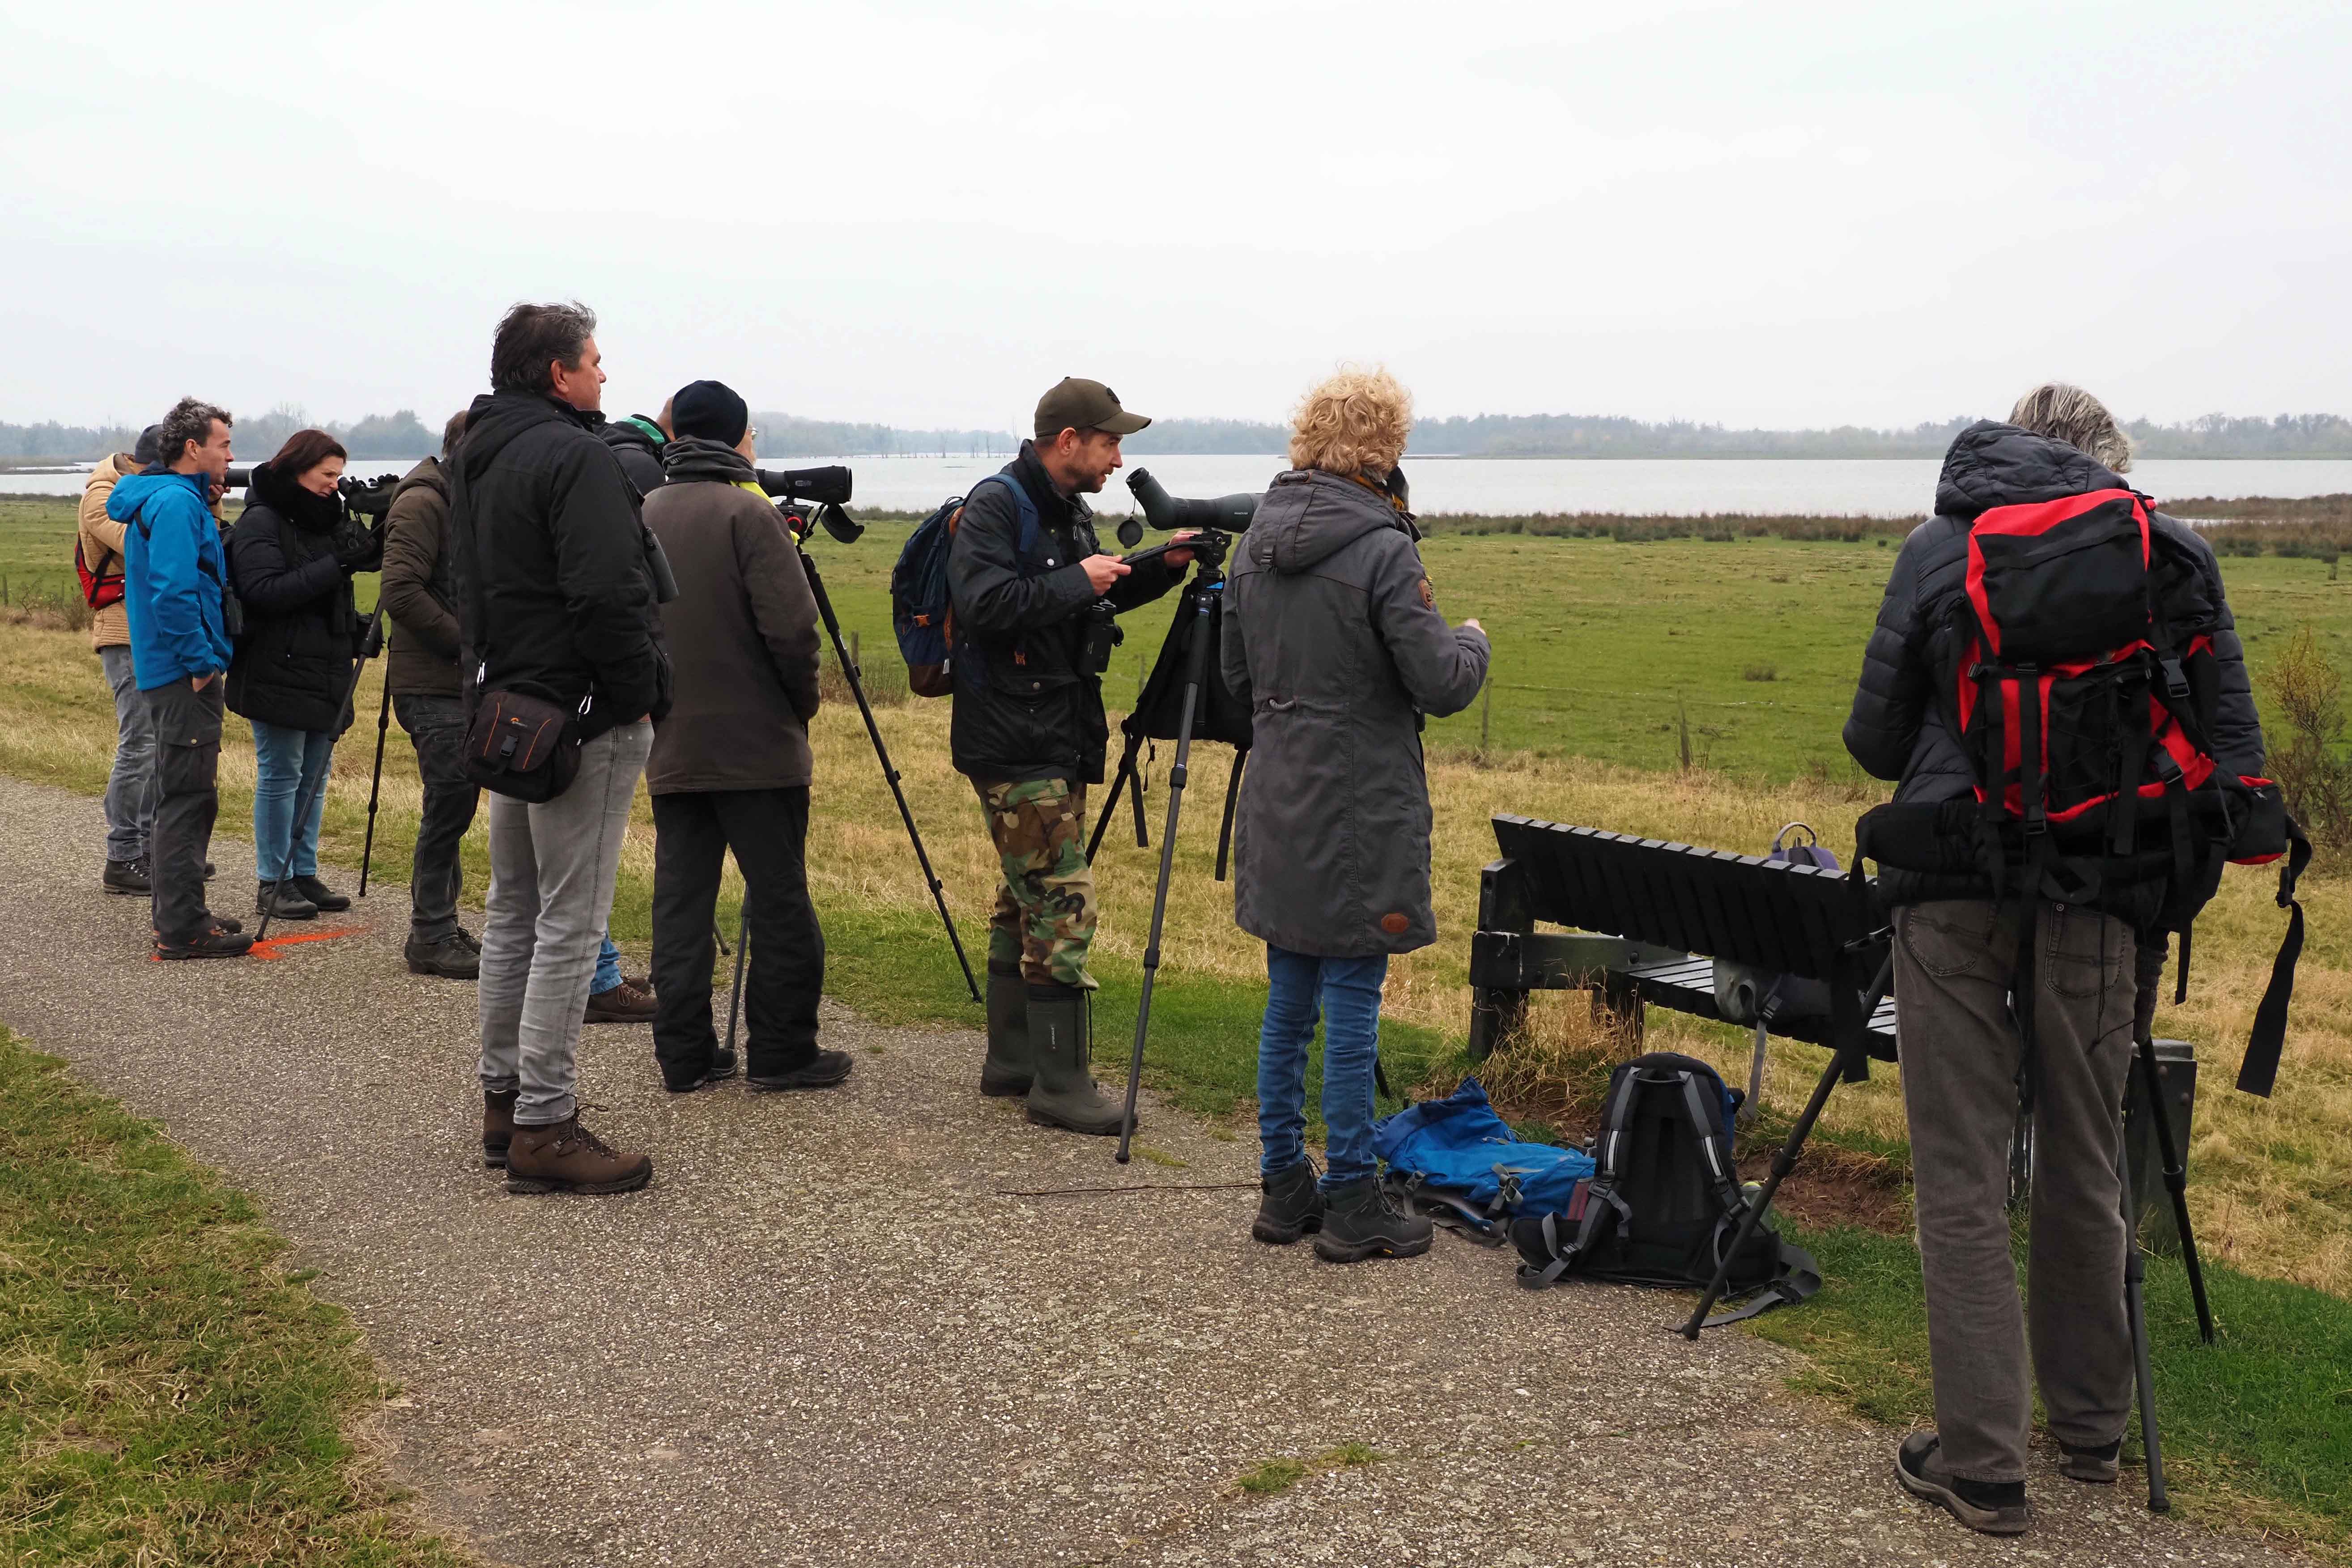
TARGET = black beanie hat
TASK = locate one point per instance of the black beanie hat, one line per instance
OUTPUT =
(150, 449)
(709, 410)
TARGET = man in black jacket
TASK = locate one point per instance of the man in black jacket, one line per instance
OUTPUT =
(1954, 959)
(558, 602)
(1034, 599)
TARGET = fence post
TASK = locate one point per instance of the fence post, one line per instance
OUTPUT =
(1486, 709)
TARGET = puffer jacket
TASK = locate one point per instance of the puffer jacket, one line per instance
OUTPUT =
(1898, 728)
(556, 594)
(1024, 706)
(100, 539)
(1333, 638)
(420, 586)
(301, 628)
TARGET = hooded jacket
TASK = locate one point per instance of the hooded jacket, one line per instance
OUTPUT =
(293, 663)
(173, 570)
(1898, 730)
(742, 631)
(639, 443)
(556, 597)
(1333, 638)
(1024, 707)
(420, 586)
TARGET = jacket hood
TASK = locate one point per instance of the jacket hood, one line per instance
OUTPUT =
(427, 475)
(637, 431)
(131, 492)
(690, 458)
(1309, 516)
(1992, 463)
(496, 419)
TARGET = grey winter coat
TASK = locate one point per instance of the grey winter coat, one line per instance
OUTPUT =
(1333, 639)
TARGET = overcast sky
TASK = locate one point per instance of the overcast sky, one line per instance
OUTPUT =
(922, 215)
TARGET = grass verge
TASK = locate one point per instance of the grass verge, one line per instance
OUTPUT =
(168, 1393)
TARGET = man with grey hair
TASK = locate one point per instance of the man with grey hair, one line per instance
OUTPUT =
(1966, 1066)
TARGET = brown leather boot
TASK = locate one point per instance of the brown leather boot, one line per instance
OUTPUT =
(498, 1125)
(565, 1157)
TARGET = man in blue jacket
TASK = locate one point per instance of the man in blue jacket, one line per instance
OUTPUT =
(174, 573)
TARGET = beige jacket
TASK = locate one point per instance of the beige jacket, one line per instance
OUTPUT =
(101, 547)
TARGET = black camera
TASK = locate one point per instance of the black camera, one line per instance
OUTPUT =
(1227, 514)
(1103, 635)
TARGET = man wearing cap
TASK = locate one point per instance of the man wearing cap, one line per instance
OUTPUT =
(730, 766)
(1033, 598)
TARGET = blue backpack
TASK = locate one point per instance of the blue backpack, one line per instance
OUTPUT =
(1457, 1160)
(922, 609)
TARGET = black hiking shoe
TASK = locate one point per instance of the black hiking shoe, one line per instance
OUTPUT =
(1991, 1508)
(721, 1069)
(126, 876)
(279, 902)
(1292, 1206)
(209, 941)
(822, 1070)
(2099, 1466)
(450, 957)
(1360, 1221)
(320, 894)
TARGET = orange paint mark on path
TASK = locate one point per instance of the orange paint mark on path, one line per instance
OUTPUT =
(274, 946)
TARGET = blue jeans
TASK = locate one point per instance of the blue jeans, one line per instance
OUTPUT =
(608, 968)
(131, 787)
(287, 763)
(1345, 993)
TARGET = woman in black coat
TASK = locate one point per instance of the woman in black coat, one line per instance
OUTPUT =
(292, 557)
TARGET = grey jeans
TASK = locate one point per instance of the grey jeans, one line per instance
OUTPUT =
(551, 872)
(1959, 1053)
(131, 787)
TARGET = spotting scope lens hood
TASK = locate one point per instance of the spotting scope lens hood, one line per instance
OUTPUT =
(827, 485)
(237, 479)
(1227, 514)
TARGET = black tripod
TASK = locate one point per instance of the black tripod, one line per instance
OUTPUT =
(375, 782)
(881, 754)
(370, 643)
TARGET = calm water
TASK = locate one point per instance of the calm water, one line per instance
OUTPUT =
(1878, 488)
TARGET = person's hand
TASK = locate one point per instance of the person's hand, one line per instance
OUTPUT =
(1472, 626)
(1102, 571)
(1179, 559)
(214, 490)
(198, 682)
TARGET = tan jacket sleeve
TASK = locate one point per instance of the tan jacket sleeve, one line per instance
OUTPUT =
(101, 536)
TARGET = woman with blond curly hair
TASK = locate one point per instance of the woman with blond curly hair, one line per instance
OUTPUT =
(1333, 638)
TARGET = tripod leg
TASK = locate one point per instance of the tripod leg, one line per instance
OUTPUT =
(1195, 670)
(2176, 1182)
(2143, 1375)
(1785, 1161)
(889, 774)
(735, 997)
(375, 783)
(1111, 802)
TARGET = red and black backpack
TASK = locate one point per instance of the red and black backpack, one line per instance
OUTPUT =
(99, 588)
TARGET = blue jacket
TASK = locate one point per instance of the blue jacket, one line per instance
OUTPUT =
(173, 569)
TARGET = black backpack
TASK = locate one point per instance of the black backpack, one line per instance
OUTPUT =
(1664, 1200)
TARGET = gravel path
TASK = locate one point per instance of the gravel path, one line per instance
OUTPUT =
(823, 1335)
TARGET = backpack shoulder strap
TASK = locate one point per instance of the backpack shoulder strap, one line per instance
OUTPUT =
(1031, 527)
(1599, 1191)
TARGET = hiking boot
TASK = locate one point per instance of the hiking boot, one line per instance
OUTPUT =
(822, 1070)
(320, 894)
(497, 1126)
(209, 941)
(643, 982)
(473, 944)
(209, 869)
(279, 902)
(721, 1069)
(623, 1003)
(227, 922)
(1292, 1206)
(450, 957)
(1992, 1508)
(1063, 1093)
(126, 876)
(565, 1157)
(1360, 1221)
(1006, 1072)
(2097, 1465)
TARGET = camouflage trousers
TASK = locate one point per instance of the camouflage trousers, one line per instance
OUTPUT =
(1044, 916)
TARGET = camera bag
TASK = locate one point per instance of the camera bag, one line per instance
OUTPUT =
(520, 747)
(1663, 1201)
(922, 610)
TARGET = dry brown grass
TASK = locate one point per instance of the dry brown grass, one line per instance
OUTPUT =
(2270, 1180)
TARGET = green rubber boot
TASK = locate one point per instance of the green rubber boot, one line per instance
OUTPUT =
(1007, 1071)
(1065, 1093)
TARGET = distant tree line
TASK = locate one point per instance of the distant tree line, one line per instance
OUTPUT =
(403, 434)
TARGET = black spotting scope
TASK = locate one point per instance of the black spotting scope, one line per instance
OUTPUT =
(1227, 514)
(826, 486)
(365, 497)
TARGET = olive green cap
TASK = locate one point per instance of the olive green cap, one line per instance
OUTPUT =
(1076, 404)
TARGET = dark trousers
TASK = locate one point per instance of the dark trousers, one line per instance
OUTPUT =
(768, 831)
(187, 798)
(436, 728)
